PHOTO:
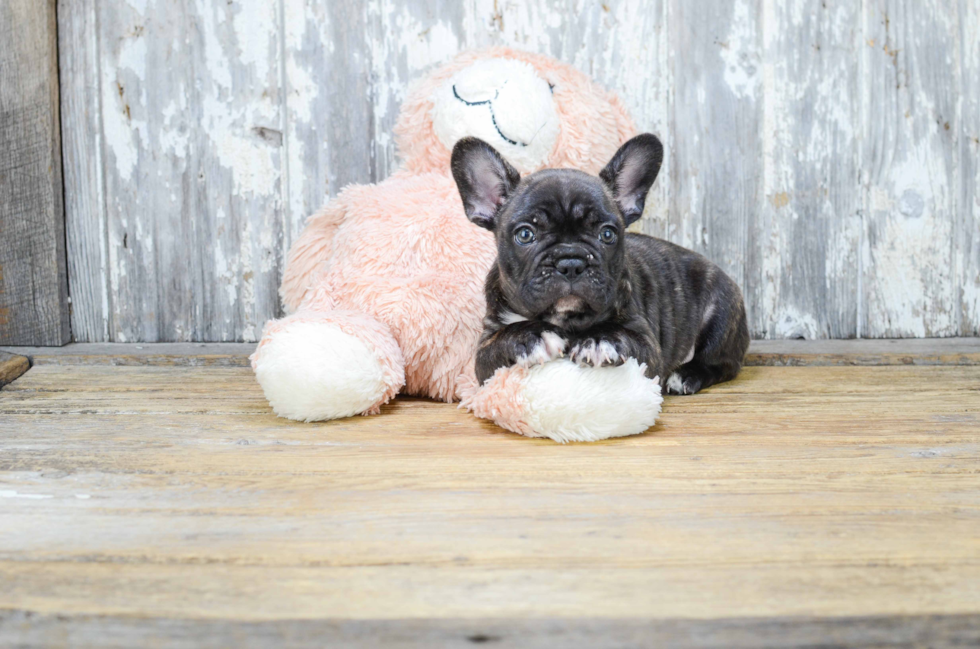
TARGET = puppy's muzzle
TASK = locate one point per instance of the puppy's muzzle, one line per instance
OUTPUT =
(570, 268)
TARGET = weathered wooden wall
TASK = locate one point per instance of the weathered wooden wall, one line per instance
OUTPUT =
(33, 286)
(824, 153)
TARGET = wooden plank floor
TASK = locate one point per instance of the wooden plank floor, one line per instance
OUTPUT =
(795, 506)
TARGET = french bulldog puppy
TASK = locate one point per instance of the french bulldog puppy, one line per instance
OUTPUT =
(570, 280)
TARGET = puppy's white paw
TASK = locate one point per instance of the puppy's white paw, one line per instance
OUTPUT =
(552, 346)
(678, 385)
(588, 352)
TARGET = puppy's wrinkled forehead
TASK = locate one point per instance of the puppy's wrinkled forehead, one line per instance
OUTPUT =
(561, 197)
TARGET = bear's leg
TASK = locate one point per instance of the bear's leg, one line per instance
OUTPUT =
(565, 401)
(316, 365)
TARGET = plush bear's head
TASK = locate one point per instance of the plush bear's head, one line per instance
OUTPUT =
(536, 111)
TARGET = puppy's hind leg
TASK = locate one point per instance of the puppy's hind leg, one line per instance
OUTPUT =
(718, 352)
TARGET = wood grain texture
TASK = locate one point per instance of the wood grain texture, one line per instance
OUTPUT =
(159, 354)
(807, 146)
(33, 281)
(910, 632)
(810, 226)
(905, 351)
(85, 208)
(717, 180)
(816, 494)
(968, 238)
(910, 160)
(189, 103)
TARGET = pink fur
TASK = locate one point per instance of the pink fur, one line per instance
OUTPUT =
(410, 260)
(500, 399)
(398, 265)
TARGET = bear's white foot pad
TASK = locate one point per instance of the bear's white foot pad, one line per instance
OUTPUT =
(573, 403)
(313, 371)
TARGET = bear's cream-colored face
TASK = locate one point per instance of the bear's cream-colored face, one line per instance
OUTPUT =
(503, 102)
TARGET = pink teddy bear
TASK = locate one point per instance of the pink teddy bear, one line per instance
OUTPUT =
(384, 288)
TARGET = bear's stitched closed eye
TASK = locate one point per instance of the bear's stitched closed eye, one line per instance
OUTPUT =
(489, 103)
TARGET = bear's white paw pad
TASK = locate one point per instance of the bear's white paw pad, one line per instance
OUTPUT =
(552, 346)
(571, 403)
(314, 371)
(595, 355)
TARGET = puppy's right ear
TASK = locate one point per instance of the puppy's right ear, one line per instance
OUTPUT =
(484, 179)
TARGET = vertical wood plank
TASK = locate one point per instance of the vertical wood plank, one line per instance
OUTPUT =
(909, 276)
(717, 178)
(968, 238)
(405, 39)
(33, 284)
(348, 65)
(307, 116)
(85, 217)
(190, 99)
(637, 65)
(810, 225)
(328, 125)
(346, 78)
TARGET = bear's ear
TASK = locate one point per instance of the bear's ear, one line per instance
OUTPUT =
(484, 179)
(631, 172)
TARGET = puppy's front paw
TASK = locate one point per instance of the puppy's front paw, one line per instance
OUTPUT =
(677, 384)
(537, 350)
(596, 353)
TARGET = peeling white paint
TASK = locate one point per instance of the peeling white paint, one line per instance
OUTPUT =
(740, 51)
(304, 188)
(436, 44)
(215, 58)
(303, 92)
(124, 137)
(257, 42)
(175, 136)
(226, 274)
(249, 160)
(790, 323)
(252, 167)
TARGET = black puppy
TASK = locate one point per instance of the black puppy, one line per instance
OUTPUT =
(570, 279)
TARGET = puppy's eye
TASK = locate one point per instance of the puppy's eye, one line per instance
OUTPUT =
(524, 235)
(607, 235)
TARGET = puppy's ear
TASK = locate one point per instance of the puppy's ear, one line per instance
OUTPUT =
(632, 171)
(484, 179)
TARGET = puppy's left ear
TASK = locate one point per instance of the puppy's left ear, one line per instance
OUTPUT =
(484, 179)
(631, 173)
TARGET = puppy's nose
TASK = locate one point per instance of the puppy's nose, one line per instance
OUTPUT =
(570, 267)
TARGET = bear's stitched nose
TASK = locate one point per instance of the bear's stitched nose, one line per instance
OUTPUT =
(570, 267)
